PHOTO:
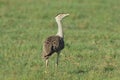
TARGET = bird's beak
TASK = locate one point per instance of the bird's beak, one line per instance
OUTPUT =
(67, 14)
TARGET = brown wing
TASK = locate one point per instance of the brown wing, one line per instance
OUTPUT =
(53, 44)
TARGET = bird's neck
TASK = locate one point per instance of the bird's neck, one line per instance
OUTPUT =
(60, 30)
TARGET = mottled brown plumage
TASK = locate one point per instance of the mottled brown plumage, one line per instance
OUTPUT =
(51, 45)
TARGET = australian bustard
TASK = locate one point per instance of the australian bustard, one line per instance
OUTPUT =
(54, 43)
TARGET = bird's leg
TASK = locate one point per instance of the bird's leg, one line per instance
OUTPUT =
(46, 61)
(57, 58)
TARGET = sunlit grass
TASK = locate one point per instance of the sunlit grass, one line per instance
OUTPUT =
(92, 39)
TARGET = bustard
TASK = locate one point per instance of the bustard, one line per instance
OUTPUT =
(54, 43)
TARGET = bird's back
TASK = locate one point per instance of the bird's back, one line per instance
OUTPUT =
(52, 44)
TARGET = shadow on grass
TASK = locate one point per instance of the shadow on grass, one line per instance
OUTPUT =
(78, 72)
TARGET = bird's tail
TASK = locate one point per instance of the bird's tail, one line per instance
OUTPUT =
(43, 55)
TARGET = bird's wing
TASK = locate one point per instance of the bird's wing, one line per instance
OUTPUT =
(47, 47)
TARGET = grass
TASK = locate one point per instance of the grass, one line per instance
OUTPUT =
(92, 39)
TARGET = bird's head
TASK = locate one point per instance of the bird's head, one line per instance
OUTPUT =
(59, 17)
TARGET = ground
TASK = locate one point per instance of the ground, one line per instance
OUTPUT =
(92, 39)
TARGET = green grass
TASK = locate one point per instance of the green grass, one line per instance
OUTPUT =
(92, 39)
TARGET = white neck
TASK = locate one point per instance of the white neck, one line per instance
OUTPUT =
(60, 30)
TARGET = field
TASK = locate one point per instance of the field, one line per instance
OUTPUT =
(91, 32)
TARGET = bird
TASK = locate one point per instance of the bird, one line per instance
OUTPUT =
(55, 43)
